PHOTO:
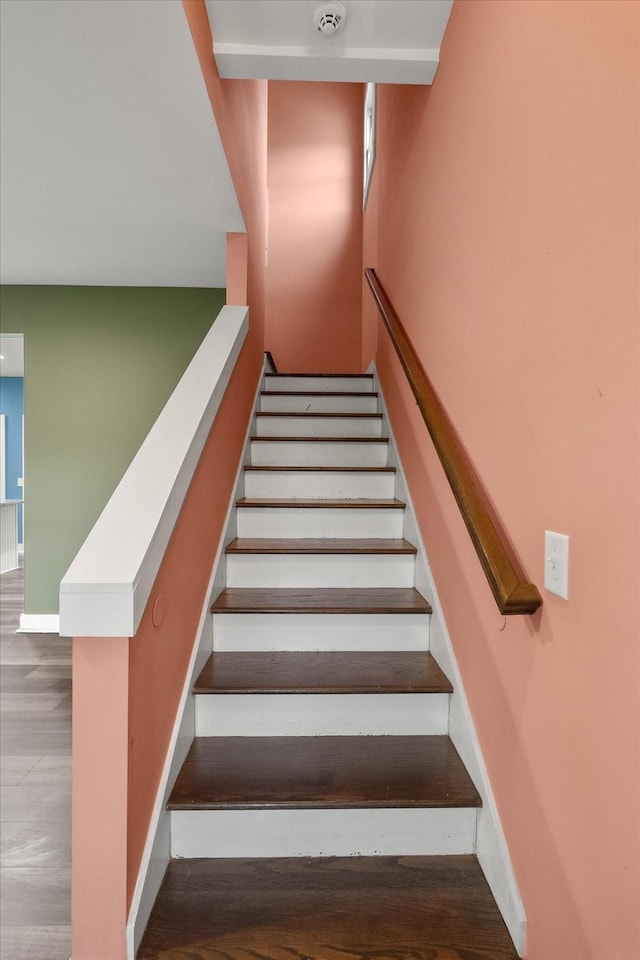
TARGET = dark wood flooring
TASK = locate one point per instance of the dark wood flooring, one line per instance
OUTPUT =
(322, 600)
(302, 469)
(356, 908)
(243, 773)
(335, 672)
(320, 545)
(299, 503)
(35, 779)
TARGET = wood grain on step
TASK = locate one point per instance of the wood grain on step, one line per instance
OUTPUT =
(358, 503)
(331, 672)
(321, 600)
(337, 908)
(319, 469)
(324, 376)
(315, 393)
(294, 414)
(269, 773)
(318, 545)
(316, 439)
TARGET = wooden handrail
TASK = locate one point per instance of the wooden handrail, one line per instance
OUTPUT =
(512, 594)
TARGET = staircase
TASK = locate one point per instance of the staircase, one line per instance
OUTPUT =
(322, 811)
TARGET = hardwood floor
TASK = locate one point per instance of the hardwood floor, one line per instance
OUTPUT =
(35, 779)
(358, 908)
(318, 672)
(244, 773)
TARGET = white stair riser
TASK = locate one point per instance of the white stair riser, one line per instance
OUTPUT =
(294, 384)
(329, 403)
(300, 426)
(313, 570)
(267, 453)
(320, 631)
(318, 833)
(322, 486)
(321, 715)
(319, 522)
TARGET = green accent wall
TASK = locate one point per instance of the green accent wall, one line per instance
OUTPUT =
(100, 363)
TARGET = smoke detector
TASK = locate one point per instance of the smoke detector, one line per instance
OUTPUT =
(329, 17)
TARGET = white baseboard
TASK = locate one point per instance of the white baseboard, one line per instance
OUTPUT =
(491, 846)
(157, 851)
(39, 623)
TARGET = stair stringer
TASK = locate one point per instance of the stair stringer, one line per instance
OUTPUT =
(491, 846)
(157, 851)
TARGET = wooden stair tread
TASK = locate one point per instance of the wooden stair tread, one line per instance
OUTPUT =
(355, 503)
(269, 773)
(319, 469)
(322, 672)
(320, 414)
(361, 908)
(324, 376)
(289, 439)
(317, 545)
(315, 393)
(320, 600)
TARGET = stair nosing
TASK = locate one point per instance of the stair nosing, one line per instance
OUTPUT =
(317, 415)
(271, 468)
(401, 601)
(289, 439)
(330, 546)
(316, 393)
(229, 673)
(355, 503)
(421, 772)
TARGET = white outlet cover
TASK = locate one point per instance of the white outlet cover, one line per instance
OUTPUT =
(556, 563)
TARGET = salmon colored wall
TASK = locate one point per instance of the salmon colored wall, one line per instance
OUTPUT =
(99, 798)
(126, 692)
(159, 656)
(240, 108)
(237, 269)
(507, 231)
(314, 293)
(369, 257)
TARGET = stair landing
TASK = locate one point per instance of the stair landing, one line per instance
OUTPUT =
(354, 908)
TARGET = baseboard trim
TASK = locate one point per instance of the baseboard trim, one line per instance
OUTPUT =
(491, 846)
(39, 623)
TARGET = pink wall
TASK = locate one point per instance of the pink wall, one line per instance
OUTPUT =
(126, 691)
(240, 108)
(237, 269)
(159, 656)
(369, 257)
(507, 237)
(314, 294)
(99, 797)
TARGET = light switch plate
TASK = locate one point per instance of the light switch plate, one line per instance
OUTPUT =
(556, 563)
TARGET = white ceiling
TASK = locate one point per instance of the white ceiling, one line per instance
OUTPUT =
(112, 170)
(12, 356)
(383, 41)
